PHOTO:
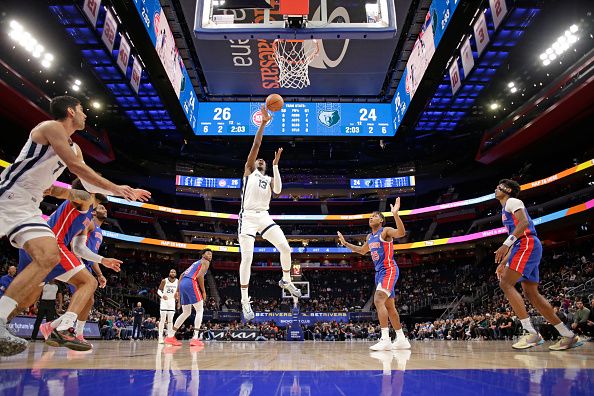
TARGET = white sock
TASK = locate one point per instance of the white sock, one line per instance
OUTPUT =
(196, 332)
(527, 325)
(564, 331)
(400, 334)
(385, 333)
(287, 276)
(244, 294)
(7, 305)
(80, 327)
(67, 322)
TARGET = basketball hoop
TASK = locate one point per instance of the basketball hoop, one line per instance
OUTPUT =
(293, 58)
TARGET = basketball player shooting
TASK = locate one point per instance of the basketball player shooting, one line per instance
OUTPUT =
(254, 218)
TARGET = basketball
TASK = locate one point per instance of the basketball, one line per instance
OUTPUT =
(274, 102)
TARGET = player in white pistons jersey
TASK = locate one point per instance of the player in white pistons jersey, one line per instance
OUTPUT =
(169, 295)
(47, 152)
(256, 192)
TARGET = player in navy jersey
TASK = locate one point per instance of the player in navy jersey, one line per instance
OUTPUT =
(380, 244)
(192, 293)
(518, 260)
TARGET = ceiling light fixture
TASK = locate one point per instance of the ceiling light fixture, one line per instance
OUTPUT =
(26, 40)
(562, 44)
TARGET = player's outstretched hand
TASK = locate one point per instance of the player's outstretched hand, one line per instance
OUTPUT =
(126, 192)
(500, 254)
(396, 207)
(341, 238)
(277, 155)
(266, 117)
(112, 263)
(142, 195)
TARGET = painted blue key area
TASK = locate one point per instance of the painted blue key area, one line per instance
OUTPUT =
(554, 382)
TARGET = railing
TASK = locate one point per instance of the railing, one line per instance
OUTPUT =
(581, 288)
(450, 308)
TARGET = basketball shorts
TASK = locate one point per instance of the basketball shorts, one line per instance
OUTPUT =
(252, 223)
(20, 218)
(525, 258)
(385, 280)
(68, 266)
(169, 304)
(189, 291)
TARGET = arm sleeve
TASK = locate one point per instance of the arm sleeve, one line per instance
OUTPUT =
(94, 189)
(79, 248)
(278, 184)
(513, 204)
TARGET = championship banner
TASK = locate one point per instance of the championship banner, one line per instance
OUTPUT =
(481, 34)
(22, 326)
(91, 9)
(123, 54)
(467, 57)
(110, 28)
(136, 75)
(455, 77)
(498, 10)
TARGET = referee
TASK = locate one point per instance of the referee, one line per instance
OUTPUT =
(47, 305)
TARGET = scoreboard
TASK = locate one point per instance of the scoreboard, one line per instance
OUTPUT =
(296, 119)
(388, 182)
(206, 182)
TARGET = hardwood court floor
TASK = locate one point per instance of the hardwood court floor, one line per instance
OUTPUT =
(298, 368)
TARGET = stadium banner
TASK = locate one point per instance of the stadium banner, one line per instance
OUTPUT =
(481, 34)
(305, 318)
(236, 335)
(22, 326)
(498, 10)
(472, 201)
(467, 57)
(401, 246)
(123, 54)
(91, 9)
(110, 27)
(455, 80)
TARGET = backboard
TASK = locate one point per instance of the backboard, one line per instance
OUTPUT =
(349, 19)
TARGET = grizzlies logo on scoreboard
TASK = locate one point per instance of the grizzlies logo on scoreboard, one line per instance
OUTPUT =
(329, 118)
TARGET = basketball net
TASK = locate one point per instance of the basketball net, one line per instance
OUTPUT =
(293, 58)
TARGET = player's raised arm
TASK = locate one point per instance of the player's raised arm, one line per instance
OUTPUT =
(277, 184)
(399, 231)
(253, 155)
(354, 248)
